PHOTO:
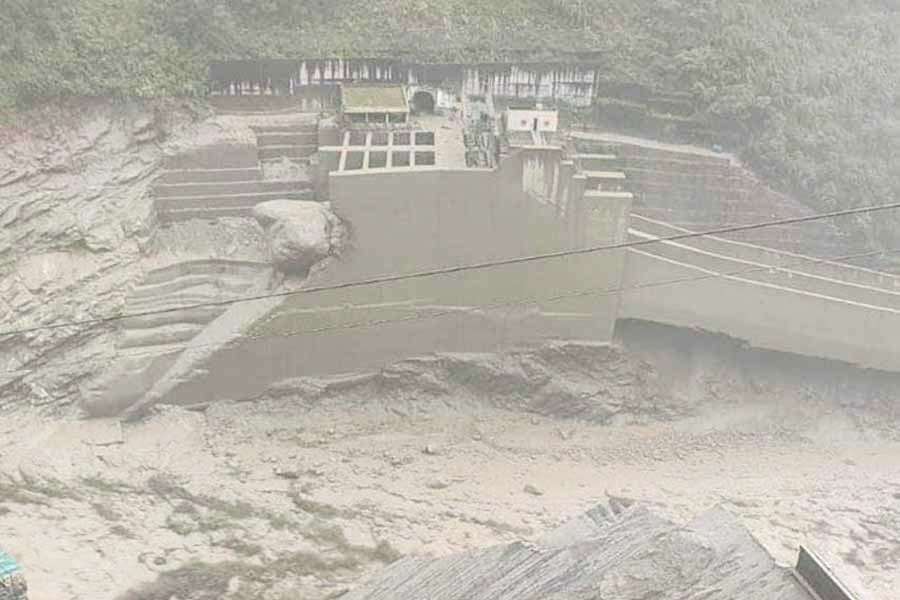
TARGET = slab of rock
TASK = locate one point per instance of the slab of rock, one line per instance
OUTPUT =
(299, 233)
(632, 555)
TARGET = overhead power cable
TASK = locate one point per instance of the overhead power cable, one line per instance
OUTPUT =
(597, 292)
(462, 268)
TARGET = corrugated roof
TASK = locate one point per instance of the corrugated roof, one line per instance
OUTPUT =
(374, 98)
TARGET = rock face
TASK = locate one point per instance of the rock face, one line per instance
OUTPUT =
(299, 233)
(75, 222)
(78, 232)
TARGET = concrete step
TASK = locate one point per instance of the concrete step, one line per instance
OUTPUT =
(203, 266)
(216, 156)
(275, 105)
(667, 227)
(140, 355)
(308, 127)
(277, 152)
(287, 138)
(698, 177)
(180, 300)
(195, 316)
(598, 162)
(742, 215)
(676, 165)
(685, 189)
(627, 151)
(182, 190)
(209, 175)
(791, 238)
(275, 112)
(720, 213)
(794, 275)
(208, 214)
(778, 239)
(227, 201)
(163, 335)
(697, 223)
(226, 281)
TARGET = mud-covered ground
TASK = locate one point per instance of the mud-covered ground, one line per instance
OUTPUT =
(306, 492)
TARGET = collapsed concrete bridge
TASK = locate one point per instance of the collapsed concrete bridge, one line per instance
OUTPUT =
(764, 287)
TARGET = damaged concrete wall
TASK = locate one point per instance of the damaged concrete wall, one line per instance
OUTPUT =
(428, 219)
(541, 173)
(573, 84)
(790, 304)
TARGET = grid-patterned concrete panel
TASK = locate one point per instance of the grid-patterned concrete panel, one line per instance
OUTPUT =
(361, 150)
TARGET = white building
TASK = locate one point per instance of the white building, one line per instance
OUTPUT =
(532, 119)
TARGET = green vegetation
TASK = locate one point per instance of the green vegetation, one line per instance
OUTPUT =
(813, 84)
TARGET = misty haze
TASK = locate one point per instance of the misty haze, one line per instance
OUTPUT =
(449, 300)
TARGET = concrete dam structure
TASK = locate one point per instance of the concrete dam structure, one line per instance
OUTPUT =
(359, 328)
(440, 255)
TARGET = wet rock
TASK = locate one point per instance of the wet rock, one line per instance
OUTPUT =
(286, 474)
(104, 237)
(534, 491)
(117, 388)
(299, 233)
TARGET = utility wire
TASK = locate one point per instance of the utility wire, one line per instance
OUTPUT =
(597, 292)
(464, 268)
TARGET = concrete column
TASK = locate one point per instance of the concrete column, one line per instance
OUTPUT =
(329, 160)
(390, 148)
(566, 171)
(368, 150)
(578, 210)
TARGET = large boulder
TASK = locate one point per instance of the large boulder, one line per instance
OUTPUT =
(299, 233)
